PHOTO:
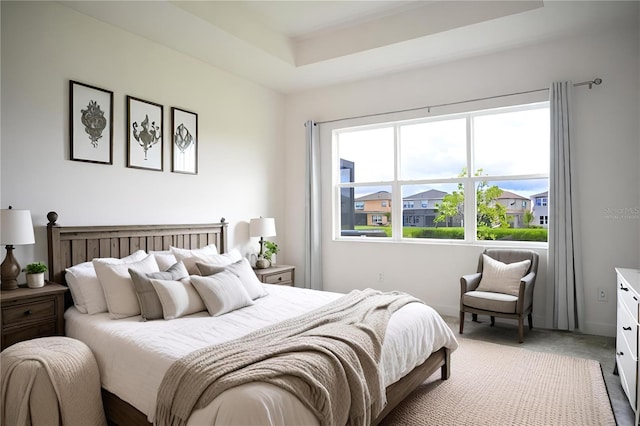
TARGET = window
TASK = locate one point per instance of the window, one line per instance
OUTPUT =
(359, 205)
(544, 220)
(541, 201)
(465, 171)
(384, 204)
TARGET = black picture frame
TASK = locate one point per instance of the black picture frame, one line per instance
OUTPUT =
(184, 141)
(144, 134)
(90, 123)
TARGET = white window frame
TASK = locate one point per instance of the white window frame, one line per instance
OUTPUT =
(469, 181)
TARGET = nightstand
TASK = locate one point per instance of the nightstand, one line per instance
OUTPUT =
(278, 274)
(28, 313)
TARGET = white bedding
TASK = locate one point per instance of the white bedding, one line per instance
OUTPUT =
(133, 355)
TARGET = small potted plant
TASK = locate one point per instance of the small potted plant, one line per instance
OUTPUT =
(35, 274)
(270, 250)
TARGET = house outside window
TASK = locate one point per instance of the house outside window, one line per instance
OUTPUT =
(484, 167)
(359, 205)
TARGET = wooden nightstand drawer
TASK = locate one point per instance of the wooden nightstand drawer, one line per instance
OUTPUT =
(281, 278)
(39, 310)
(19, 334)
(28, 313)
(278, 274)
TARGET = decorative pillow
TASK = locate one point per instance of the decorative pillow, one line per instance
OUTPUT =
(150, 306)
(210, 249)
(178, 298)
(118, 286)
(501, 277)
(190, 259)
(164, 258)
(222, 292)
(85, 286)
(83, 275)
(242, 269)
(248, 278)
(206, 269)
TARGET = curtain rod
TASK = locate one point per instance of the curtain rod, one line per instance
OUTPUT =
(590, 83)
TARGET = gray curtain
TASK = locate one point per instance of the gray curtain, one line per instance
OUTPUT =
(565, 264)
(313, 211)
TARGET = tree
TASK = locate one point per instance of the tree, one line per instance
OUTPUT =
(491, 214)
(528, 218)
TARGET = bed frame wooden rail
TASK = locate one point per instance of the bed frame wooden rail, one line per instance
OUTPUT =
(71, 245)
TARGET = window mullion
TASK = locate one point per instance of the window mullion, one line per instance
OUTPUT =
(396, 190)
(470, 203)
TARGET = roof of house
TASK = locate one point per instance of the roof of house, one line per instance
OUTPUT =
(432, 194)
(542, 194)
(380, 195)
(510, 195)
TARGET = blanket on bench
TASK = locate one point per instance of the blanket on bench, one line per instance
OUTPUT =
(327, 358)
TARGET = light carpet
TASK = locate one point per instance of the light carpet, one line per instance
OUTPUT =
(494, 384)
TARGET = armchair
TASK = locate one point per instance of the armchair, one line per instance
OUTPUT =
(507, 288)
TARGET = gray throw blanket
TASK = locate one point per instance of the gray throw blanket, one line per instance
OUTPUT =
(327, 358)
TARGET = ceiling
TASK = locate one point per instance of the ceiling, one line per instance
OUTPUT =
(291, 46)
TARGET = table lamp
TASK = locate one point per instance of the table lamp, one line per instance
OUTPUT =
(262, 227)
(16, 228)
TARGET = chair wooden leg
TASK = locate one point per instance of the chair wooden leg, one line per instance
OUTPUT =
(474, 317)
(530, 318)
(461, 321)
(493, 321)
(520, 330)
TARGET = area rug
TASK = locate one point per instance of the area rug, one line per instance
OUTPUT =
(494, 384)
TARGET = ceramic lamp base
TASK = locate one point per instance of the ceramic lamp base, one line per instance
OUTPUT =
(10, 271)
(262, 263)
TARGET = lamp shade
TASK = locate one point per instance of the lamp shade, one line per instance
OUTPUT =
(16, 227)
(262, 227)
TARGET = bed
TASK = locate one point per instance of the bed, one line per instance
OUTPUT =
(129, 398)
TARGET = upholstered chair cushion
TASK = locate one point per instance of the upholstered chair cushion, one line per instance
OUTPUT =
(496, 302)
(501, 277)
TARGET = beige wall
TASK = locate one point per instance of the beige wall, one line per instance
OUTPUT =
(606, 137)
(44, 45)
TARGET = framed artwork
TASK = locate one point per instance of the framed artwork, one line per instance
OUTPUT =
(90, 123)
(184, 141)
(144, 134)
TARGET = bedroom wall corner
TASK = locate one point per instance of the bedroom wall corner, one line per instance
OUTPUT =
(46, 44)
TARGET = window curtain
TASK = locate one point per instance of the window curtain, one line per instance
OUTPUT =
(565, 264)
(313, 211)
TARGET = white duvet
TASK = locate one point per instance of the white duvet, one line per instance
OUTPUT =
(134, 355)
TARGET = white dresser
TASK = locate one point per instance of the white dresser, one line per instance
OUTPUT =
(628, 328)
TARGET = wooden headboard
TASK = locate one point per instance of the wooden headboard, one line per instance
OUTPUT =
(70, 245)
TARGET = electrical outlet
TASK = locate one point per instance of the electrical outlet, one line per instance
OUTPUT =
(381, 277)
(602, 295)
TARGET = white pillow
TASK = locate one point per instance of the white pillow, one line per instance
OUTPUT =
(210, 249)
(83, 275)
(222, 292)
(165, 259)
(501, 277)
(178, 298)
(248, 278)
(117, 284)
(192, 256)
(85, 287)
